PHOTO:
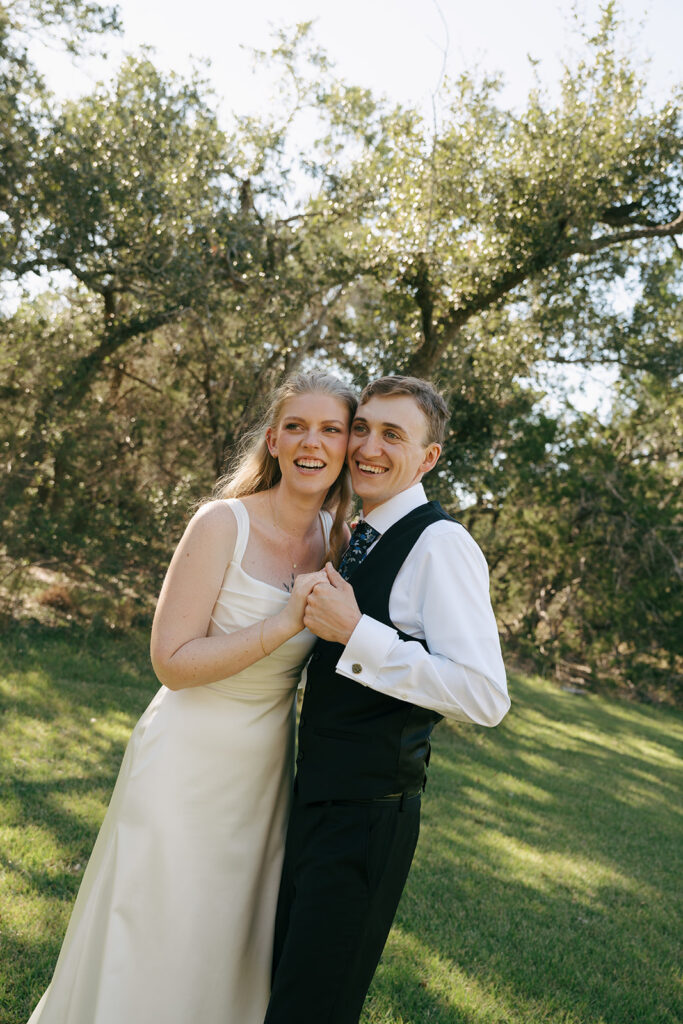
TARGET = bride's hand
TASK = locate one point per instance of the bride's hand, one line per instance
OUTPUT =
(293, 612)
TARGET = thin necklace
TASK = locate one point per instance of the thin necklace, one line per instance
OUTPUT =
(288, 586)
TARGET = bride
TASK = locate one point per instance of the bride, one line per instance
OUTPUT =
(174, 918)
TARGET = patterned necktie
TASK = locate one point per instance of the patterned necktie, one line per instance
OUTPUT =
(362, 537)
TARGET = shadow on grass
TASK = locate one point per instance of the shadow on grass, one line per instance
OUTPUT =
(28, 978)
(69, 698)
(106, 667)
(68, 701)
(545, 889)
(546, 886)
(38, 807)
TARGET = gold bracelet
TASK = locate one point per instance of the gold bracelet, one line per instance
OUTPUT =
(260, 636)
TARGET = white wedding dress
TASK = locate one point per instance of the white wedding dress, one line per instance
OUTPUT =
(173, 922)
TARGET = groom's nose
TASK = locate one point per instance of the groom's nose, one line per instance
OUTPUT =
(371, 445)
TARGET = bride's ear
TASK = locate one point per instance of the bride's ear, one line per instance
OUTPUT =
(270, 441)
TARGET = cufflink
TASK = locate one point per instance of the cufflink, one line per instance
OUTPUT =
(356, 668)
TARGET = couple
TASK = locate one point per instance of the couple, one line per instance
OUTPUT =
(186, 886)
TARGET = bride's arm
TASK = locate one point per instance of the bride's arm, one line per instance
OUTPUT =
(182, 654)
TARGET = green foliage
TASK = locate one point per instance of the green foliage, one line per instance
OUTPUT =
(485, 248)
(585, 544)
(130, 189)
(72, 22)
(475, 212)
(19, 87)
(23, 103)
(108, 470)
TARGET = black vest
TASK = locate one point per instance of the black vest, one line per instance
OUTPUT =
(354, 742)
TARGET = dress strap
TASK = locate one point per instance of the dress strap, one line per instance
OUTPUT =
(326, 524)
(242, 517)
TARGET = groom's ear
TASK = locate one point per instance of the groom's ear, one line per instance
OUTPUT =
(431, 458)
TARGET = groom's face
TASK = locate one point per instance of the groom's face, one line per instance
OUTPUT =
(388, 448)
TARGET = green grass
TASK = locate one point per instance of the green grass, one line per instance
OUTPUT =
(68, 700)
(547, 883)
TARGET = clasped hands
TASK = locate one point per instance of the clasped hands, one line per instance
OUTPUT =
(331, 611)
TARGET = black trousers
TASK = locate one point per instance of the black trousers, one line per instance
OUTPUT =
(345, 868)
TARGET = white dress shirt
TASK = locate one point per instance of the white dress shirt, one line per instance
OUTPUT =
(440, 595)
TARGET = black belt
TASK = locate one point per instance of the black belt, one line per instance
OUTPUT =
(391, 798)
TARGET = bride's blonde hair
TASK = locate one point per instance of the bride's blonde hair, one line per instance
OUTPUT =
(254, 469)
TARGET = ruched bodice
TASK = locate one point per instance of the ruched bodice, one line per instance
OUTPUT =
(244, 600)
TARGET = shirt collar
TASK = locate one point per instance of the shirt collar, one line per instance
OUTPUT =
(389, 512)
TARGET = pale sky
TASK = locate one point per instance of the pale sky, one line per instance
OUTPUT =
(393, 46)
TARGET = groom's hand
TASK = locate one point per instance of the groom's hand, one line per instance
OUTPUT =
(331, 609)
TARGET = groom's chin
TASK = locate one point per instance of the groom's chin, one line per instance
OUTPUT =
(361, 488)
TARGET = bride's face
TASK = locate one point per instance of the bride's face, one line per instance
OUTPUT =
(310, 441)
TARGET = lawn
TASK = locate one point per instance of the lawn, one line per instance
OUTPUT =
(547, 883)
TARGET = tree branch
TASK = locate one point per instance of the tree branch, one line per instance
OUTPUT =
(674, 227)
(423, 360)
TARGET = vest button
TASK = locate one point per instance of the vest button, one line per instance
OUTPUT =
(356, 668)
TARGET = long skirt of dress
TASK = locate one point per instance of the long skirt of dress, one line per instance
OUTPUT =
(174, 918)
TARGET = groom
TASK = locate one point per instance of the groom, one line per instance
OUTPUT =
(409, 639)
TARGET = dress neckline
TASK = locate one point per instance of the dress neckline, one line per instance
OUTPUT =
(238, 563)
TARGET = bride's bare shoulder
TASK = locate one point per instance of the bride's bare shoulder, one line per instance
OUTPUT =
(214, 522)
(215, 512)
(217, 507)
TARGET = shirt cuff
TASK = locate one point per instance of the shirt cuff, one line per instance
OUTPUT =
(366, 652)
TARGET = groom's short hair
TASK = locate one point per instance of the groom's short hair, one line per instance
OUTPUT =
(432, 404)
